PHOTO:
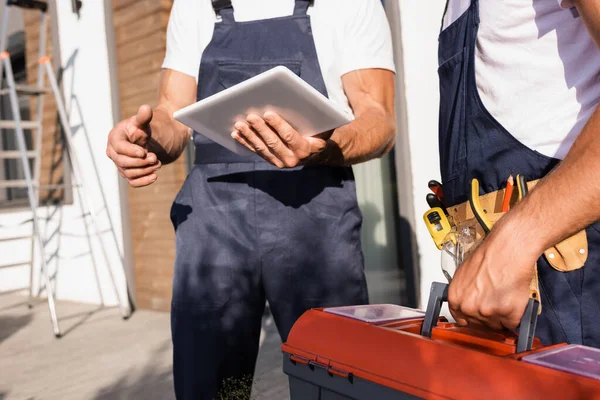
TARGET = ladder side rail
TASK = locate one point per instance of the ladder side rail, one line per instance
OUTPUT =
(5, 57)
(39, 116)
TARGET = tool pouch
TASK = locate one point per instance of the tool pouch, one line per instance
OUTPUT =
(568, 255)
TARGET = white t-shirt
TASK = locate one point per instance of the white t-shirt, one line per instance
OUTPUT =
(537, 69)
(348, 34)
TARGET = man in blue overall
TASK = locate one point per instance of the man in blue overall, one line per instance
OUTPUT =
(520, 89)
(285, 224)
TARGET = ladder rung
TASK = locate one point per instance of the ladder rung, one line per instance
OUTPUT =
(9, 124)
(56, 186)
(15, 154)
(15, 238)
(19, 264)
(33, 4)
(26, 90)
(15, 183)
(21, 183)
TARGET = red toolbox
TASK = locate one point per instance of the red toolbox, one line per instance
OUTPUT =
(392, 352)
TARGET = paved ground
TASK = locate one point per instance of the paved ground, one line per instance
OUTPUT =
(101, 356)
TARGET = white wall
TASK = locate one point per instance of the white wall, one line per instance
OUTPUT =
(86, 84)
(419, 28)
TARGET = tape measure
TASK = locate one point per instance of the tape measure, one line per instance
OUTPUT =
(437, 225)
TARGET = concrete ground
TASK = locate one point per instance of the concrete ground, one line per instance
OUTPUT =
(102, 356)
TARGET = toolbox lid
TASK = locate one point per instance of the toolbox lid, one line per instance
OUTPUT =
(573, 358)
(376, 313)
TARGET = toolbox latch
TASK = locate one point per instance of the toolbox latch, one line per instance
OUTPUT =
(312, 364)
(298, 360)
(342, 374)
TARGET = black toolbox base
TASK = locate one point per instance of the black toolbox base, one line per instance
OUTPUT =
(309, 382)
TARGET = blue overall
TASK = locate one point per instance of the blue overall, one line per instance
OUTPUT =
(472, 144)
(247, 231)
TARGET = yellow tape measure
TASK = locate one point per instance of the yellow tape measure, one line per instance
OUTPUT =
(438, 225)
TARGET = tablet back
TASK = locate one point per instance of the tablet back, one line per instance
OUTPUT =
(278, 90)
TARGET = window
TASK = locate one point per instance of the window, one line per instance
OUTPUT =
(54, 167)
(11, 168)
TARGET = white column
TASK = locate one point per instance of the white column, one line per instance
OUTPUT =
(418, 25)
(87, 94)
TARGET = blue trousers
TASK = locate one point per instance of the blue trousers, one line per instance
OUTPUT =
(250, 232)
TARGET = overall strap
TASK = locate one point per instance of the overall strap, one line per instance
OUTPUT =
(444, 15)
(223, 9)
(301, 7)
(474, 6)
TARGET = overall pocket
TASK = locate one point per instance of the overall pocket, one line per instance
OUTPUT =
(233, 72)
(452, 135)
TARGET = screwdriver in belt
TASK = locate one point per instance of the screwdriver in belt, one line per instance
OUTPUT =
(436, 188)
(434, 202)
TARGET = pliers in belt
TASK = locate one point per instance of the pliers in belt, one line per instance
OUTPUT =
(477, 209)
(522, 187)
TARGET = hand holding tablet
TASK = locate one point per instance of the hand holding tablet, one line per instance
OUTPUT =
(294, 105)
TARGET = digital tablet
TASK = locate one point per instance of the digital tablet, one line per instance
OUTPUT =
(278, 90)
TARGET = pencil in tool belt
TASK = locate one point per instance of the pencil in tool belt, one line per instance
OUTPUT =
(510, 184)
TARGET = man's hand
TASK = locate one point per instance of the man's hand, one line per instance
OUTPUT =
(370, 135)
(128, 145)
(272, 138)
(139, 149)
(491, 287)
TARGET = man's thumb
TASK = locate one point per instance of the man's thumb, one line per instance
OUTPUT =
(143, 117)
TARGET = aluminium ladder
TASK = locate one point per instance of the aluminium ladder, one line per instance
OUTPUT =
(31, 180)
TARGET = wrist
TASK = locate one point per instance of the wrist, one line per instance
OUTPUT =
(330, 155)
(520, 229)
(167, 141)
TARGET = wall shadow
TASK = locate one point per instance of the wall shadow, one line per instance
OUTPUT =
(54, 233)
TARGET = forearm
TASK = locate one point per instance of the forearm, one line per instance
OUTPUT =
(169, 137)
(370, 135)
(566, 200)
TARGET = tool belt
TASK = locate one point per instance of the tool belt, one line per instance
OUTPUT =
(568, 255)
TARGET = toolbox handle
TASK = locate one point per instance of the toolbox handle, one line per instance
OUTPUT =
(439, 294)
